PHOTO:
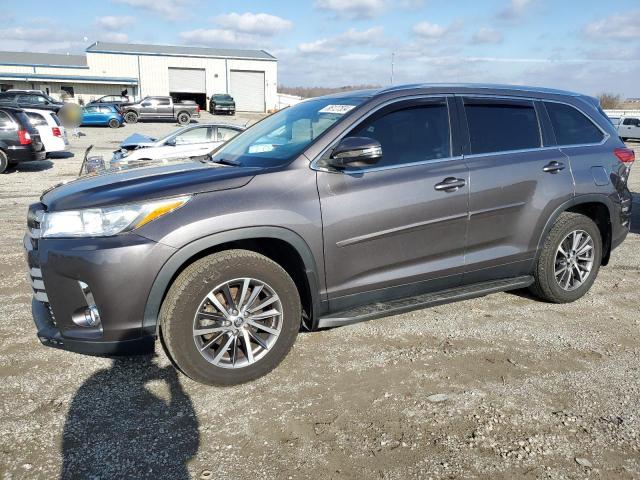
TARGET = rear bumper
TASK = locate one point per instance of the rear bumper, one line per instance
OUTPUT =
(25, 153)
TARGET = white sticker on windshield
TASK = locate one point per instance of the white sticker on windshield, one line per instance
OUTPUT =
(339, 109)
(261, 148)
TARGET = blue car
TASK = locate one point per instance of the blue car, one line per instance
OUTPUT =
(105, 115)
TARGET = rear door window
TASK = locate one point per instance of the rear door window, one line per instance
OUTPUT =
(571, 126)
(6, 122)
(497, 125)
(224, 134)
(36, 119)
(412, 134)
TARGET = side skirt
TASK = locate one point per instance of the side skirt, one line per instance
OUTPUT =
(393, 307)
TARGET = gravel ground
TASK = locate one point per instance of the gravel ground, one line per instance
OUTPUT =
(498, 387)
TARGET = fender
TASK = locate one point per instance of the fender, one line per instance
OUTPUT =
(577, 200)
(185, 253)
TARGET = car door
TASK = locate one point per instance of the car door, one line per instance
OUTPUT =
(630, 128)
(90, 115)
(164, 108)
(515, 183)
(148, 108)
(396, 228)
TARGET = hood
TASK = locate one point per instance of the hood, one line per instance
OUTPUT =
(138, 140)
(146, 180)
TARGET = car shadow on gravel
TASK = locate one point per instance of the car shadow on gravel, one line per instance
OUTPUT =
(131, 420)
(36, 166)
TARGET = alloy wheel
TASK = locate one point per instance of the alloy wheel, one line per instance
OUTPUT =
(237, 323)
(574, 260)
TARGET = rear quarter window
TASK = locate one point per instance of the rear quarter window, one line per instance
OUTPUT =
(571, 126)
(6, 122)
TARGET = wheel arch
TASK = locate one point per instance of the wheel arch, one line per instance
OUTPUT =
(598, 207)
(282, 245)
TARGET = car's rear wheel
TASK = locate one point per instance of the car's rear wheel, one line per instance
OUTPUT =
(131, 117)
(4, 162)
(569, 260)
(184, 118)
(230, 317)
(113, 123)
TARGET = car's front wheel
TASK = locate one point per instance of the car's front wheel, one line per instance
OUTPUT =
(569, 260)
(230, 317)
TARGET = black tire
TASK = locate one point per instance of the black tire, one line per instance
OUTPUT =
(131, 117)
(4, 162)
(194, 284)
(232, 112)
(113, 123)
(546, 286)
(183, 118)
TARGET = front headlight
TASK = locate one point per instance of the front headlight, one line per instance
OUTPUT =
(105, 222)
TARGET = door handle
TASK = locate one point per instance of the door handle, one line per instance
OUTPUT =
(450, 184)
(553, 167)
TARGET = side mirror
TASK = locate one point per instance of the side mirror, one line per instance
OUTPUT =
(171, 142)
(355, 152)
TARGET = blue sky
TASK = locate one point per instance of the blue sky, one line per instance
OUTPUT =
(590, 45)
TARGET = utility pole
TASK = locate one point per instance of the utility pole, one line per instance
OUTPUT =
(392, 61)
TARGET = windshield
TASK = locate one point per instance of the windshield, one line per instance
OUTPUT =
(283, 135)
(222, 97)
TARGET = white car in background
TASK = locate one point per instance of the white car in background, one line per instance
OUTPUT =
(49, 126)
(190, 141)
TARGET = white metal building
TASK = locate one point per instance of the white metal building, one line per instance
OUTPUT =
(250, 76)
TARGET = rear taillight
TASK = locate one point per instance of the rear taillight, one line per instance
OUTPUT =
(24, 137)
(56, 132)
(197, 108)
(625, 155)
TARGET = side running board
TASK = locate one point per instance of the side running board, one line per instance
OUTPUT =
(393, 307)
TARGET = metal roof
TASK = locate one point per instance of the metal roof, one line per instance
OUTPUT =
(34, 59)
(27, 77)
(177, 51)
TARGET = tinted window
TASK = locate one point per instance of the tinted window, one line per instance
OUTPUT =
(162, 101)
(496, 126)
(410, 135)
(105, 110)
(571, 126)
(36, 119)
(631, 121)
(6, 122)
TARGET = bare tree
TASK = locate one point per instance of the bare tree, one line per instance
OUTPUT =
(609, 100)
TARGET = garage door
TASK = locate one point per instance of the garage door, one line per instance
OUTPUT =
(247, 89)
(187, 80)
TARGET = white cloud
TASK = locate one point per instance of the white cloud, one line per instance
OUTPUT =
(37, 34)
(221, 37)
(487, 35)
(354, 9)
(515, 9)
(255, 23)
(118, 37)
(429, 30)
(111, 22)
(167, 9)
(371, 36)
(620, 26)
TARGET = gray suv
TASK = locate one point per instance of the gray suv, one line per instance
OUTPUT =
(337, 210)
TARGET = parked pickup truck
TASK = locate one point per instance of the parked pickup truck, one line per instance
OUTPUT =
(160, 108)
(629, 127)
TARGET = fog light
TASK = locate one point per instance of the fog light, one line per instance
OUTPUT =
(88, 316)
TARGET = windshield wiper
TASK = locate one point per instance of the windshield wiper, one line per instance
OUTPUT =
(226, 161)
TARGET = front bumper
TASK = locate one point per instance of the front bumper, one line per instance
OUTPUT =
(119, 271)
